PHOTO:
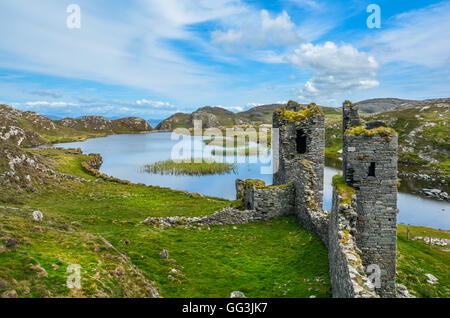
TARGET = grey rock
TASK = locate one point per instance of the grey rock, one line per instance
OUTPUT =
(237, 294)
(10, 294)
(37, 216)
(164, 254)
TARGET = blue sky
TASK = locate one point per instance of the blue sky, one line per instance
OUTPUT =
(154, 58)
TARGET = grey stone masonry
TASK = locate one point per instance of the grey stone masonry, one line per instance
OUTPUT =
(348, 279)
(371, 168)
(308, 210)
(301, 137)
(270, 201)
(350, 116)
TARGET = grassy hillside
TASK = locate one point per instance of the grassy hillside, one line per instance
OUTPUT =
(376, 105)
(415, 259)
(261, 259)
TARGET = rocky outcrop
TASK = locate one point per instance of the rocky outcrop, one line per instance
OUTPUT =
(91, 123)
(102, 124)
(31, 129)
(12, 129)
(436, 193)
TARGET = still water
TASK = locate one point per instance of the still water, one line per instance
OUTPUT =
(124, 156)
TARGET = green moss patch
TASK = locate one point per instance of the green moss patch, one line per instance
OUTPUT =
(360, 130)
(345, 191)
(298, 116)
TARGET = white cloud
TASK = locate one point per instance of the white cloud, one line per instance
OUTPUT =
(335, 69)
(418, 37)
(116, 44)
(258, 31)
(249, 105)
(49, 104)
(155, 104)
(234, 108)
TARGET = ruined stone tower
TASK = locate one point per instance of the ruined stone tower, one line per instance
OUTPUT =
(301, 143)
(370, 167)
(360, 231)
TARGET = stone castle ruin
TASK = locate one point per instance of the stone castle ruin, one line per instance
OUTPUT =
(360, 230)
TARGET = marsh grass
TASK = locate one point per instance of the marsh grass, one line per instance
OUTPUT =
(192, 168)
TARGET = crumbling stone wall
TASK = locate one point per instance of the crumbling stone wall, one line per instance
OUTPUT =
(348, 279)
(271, 201)
(308, 211)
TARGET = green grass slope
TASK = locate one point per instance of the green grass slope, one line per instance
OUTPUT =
(270, 259)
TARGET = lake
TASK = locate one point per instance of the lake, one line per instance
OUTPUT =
(124, 156)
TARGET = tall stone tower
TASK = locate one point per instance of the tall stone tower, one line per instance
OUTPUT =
(370, 167)
(301, 143)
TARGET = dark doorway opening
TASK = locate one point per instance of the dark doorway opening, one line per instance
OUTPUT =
(372, 169)
(301, 141)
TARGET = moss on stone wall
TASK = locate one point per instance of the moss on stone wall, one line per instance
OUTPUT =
(360, 130)
(259, 184)
(255, 182)
(302, 114)
(345, 191)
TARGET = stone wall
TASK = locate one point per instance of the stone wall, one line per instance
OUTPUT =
(227, 215)
(270, 201)
(348, 279)
(350, 116)
(308, 210)
(371, 169)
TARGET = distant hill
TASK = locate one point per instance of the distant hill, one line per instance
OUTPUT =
(220, 117)
(31, 129)
(210, 117)
(376, 105)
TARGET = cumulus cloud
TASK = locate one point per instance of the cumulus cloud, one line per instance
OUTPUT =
(258, 32)
(335, 69)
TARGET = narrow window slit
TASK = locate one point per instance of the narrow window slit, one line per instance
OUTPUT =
(372, 169)
(301, 141)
